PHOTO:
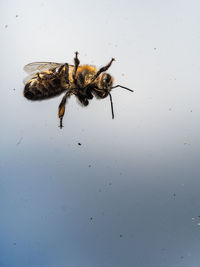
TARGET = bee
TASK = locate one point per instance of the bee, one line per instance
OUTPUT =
(50, 79)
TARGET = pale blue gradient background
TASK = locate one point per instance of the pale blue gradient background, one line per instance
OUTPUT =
(130, 195)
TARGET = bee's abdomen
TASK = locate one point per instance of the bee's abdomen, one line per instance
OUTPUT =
(42, 89)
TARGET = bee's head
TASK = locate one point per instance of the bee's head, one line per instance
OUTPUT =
(104, 85)
(106, 81)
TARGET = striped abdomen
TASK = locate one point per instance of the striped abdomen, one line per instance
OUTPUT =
(43, 85)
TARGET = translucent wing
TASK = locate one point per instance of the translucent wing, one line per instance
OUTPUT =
(28, 78)
(35, 67)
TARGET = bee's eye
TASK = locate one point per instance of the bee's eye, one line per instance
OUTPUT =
(106, 77)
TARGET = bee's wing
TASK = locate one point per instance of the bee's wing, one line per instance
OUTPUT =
(28, 78)
(35, 67)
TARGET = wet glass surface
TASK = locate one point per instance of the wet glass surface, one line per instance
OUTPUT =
(102, 192)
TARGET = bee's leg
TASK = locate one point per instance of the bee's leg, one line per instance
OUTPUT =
(38, 76)
(102, 69)
(61, 108)
(76, 63)
(66, 71)
(82, 99)
(88, 93)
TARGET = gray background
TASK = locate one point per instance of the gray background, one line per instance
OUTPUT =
(129, 195)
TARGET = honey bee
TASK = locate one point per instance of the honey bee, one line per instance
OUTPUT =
(50, 79)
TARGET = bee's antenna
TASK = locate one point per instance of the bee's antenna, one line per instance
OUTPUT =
(112, 110)
(122, 87)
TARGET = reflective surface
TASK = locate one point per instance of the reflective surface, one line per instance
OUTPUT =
(128, 194)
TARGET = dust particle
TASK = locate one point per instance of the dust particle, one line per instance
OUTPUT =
(18, 143)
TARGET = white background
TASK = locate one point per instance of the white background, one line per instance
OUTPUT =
(129, 195)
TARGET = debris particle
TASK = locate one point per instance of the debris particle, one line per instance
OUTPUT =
(18, 143)
(186, 143)
(89, 166)
(110, 183)
(79, 144)
(6, 26)
(14, 243)
(154, 48)
(17, 16)
(121, 235)
(91, 218)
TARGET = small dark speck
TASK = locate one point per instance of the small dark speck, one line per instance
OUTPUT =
(174, 195)
(182, 257)
(170, 109)
(89, 166)
(17, 16)
(6, 26)
(199, 216)
(191, 110)
(123, 74)
(18, 143)
(14, 89)
(91, 218)
(120, 235)
(154, 48)
(14, 243)
(79, 144)
(110, 183)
